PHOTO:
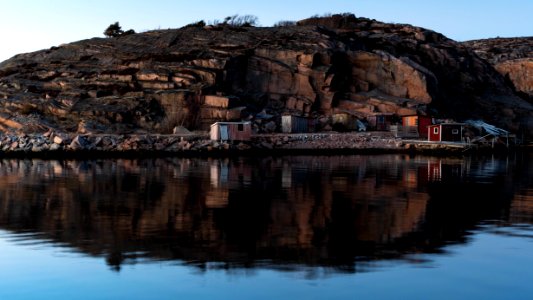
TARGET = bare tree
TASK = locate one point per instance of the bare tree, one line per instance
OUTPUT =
(237, 21)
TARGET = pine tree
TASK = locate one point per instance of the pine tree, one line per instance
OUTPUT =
(113, 30)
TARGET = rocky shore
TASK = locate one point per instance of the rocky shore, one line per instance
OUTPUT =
(61, 145)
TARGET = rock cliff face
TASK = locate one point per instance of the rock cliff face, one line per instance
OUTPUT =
(195, 76)
(512, 57)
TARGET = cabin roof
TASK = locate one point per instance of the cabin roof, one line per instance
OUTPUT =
(230, 123)
(448, 124)
(490, 129)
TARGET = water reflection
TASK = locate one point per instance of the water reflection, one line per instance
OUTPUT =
(284, 213)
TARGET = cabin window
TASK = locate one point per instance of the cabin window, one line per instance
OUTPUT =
(455, 131)
(436, 130)
(240, 127)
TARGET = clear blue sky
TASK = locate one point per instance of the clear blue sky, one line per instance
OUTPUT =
(30, 25)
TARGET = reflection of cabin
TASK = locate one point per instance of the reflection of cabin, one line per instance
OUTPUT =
(380, 122)
(434, 170)
(446, 132)
(231, 131)
(295, 124)
(225, 176)
(440, 170)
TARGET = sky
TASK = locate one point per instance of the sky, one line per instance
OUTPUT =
(31, 25)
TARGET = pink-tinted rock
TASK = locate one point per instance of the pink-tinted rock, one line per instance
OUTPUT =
(391, 75)
(520, 72)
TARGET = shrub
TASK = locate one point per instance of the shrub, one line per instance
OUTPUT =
(115, 30)
(198, 24)
(284, 23)
(128, 32)
(237, 21)
(344, 20)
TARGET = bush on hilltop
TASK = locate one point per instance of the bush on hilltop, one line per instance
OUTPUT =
(115, 30)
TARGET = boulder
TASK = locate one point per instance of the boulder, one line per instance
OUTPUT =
(57, 140)
(79, 143)
(180, 130)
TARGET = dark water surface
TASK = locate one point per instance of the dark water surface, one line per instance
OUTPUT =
(309, 227)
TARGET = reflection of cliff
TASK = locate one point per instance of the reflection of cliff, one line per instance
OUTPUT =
(312, 210)
(522, 206)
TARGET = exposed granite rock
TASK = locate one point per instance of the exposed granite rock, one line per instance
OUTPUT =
(154, 81)
(512, 57)
(498, 50)
(520, 72)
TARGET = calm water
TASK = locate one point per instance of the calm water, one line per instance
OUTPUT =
(341, 227)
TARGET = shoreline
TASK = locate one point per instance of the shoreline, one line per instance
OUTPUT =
(84, 146)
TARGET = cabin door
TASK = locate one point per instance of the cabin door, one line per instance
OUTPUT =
(224, 136)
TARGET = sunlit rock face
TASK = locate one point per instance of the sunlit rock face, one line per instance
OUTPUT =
(520, 72)
(194, 76)
(512, 57)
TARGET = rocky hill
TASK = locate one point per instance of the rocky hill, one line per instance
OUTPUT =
(196, 75)
(512, 57)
